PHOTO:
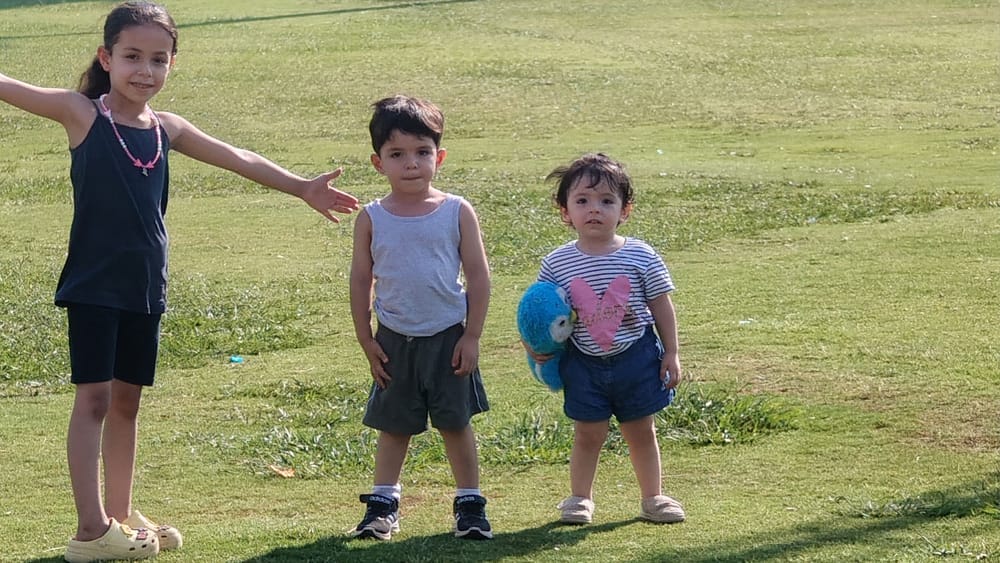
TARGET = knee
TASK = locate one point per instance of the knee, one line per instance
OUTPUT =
(93, 406)
(590, 436)
(126, 410)
(639, 431)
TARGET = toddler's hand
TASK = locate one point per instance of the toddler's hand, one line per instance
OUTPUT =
(465, 358)
(670, 370)
(377, 360)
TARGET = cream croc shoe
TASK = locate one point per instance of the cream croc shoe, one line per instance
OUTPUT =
(170, 537)
(119, 542)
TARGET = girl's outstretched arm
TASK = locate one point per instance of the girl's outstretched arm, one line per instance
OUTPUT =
(70, 108)
(191, 141)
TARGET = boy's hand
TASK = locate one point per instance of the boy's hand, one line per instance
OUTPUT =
(323, 197)
(465, 359)
(377, 360)
(670, 370)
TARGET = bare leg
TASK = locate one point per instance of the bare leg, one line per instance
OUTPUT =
(83, 446)
(644, 452)
(460, 447)
(119, 447)
(389, 456)
(588, 439)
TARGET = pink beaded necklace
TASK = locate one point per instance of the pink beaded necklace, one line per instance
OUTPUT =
(147, 166)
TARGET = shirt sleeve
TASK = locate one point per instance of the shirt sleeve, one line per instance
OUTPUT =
(657, 279)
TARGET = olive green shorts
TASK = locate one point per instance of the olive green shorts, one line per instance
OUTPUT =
(423, 384)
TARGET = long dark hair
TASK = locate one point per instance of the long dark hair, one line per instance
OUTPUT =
(95, 80)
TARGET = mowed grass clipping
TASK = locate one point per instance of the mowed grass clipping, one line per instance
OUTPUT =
(821, 179)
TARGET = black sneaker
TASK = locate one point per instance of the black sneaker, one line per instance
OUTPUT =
(381, 518)
(470, 518)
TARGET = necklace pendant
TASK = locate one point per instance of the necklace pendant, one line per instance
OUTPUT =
(145, 171)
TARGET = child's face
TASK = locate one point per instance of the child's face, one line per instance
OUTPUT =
(139, 62)
(594, 211)
(408, 161)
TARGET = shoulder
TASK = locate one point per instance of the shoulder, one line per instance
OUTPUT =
(641, 249)
(173, 124)
(466, 212)
(639, 245)
(363, 222)
(562, 253)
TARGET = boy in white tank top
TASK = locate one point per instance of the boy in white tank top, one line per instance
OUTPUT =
(414, 246)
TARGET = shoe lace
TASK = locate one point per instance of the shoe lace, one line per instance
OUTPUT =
(475, 507)
(377, 508)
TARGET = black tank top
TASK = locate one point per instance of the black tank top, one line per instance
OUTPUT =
(117, 253)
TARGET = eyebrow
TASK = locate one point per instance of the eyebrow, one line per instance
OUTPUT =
(138, 50)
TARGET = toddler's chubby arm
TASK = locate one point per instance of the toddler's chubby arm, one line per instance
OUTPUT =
(317, 192)
(465, 358)
(361, 299)
(666, 326)
(70, 108)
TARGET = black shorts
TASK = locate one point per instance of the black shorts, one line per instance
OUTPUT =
(106, 344)
(423, 384)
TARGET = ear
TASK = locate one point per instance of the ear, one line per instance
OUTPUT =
(626, 211)
(377, 163)
(442, 152)
(104, 57)
(564, 213)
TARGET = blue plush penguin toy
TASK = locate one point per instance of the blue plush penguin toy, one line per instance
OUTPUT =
(545, 321)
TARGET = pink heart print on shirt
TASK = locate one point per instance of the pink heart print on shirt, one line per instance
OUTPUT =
(602, 316)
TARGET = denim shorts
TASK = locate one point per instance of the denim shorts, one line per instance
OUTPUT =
(423, 384)
(106, 344)
(626, 385)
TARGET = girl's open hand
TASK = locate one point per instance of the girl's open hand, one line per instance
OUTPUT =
(324, 198)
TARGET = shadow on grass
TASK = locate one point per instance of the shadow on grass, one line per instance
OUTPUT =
(440, 547)
(974, 498)
(223, 21)
(8, 4)
(414, 4)
(852, 527)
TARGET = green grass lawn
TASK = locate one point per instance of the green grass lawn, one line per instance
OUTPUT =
(821, 177)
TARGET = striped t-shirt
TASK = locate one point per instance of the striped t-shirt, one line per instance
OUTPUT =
(609, 293)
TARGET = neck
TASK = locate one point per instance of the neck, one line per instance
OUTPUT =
(125, 110)
(600, 247)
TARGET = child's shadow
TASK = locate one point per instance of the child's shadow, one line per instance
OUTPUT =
(439, 547)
